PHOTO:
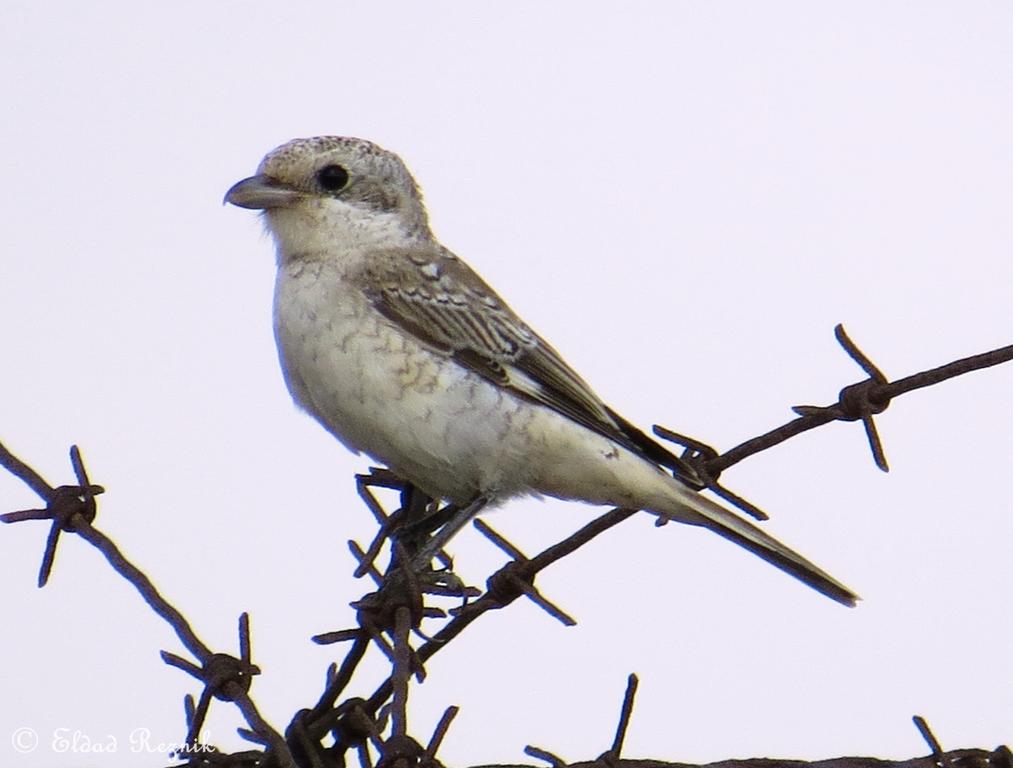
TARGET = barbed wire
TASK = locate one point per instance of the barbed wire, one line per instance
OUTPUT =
(1000, 757)
(388, 616)
(860, 401)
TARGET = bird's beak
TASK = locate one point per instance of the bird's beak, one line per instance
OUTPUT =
(261, 192)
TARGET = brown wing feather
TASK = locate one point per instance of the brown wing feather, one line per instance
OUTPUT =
(443, 303)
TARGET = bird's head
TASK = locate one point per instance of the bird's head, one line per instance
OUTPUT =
(339, 188)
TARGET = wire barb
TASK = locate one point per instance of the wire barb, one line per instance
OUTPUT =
(440, 732)
(701, 457)
(516, 578)
(543, 754)
(625, 714)
(930, 739)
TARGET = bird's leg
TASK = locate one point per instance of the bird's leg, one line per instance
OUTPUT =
(460, 518)
(424, 521)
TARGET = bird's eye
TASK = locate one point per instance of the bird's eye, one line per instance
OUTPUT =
(332, 178)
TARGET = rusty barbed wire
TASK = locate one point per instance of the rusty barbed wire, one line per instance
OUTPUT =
(73, 509)
(224, 677)
(1000, 757)
(931, 740)
(856, 402)
(625, 715)
(68, 506)
(610, 757)
(389, 616)
(543, 754)
(515, 578)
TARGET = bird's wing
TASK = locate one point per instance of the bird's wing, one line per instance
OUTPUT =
(437, 298)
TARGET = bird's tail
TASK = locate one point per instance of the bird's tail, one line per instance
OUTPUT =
(703, 511)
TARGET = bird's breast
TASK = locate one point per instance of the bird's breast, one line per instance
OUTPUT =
(381, 391)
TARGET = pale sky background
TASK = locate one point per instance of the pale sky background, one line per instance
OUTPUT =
(683, 197)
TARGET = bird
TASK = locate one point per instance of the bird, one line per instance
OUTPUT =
(403, 352)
